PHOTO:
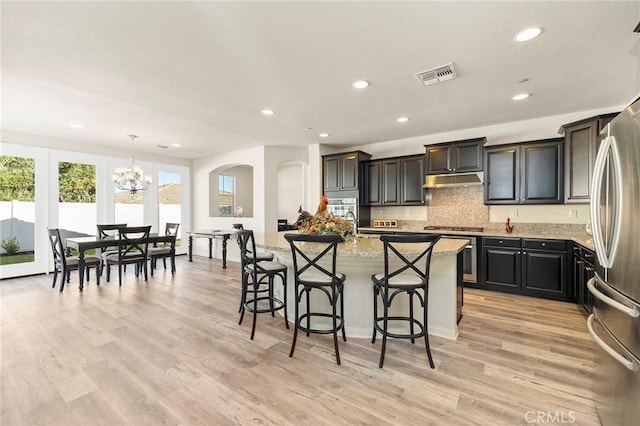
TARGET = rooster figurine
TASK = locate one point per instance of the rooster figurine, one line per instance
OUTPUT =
(322, 207)
(508, 227)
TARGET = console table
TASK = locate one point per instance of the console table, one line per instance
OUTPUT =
(211, 234)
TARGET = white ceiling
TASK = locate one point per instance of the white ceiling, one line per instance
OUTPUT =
(198, 73)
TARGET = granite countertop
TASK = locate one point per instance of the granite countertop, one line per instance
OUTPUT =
(540, 231)
(361, 247)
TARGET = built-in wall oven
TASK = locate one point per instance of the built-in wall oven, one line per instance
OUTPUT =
(470, 256)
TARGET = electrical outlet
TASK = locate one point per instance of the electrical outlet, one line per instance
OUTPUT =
(573, 213)
(514, 213)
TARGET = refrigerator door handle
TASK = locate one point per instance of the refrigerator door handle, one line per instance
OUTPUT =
(630, 364)
(607, 146)
(632, 311)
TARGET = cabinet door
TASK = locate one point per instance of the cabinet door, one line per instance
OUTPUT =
(331, 170)
(580, 149)
(502, 175)
(349, 171)
(541, 171)
(467, 156)
(411, 178)
(439, 159)
(501, 268)
(373, 182)
(544, 273)
(391, 182)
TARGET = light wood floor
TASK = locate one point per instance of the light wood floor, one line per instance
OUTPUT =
(170, 351)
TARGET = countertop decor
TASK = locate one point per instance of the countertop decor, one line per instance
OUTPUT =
(324, 222)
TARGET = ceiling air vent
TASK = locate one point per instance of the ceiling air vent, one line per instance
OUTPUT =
(437, 75)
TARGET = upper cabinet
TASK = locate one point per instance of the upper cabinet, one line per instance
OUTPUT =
(394, 181)
(526, 173)
(455, 157)
(580, 148)
(343, 172)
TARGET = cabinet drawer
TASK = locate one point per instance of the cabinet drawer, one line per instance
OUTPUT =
(589, 256)
(501, 242)
(537, 244)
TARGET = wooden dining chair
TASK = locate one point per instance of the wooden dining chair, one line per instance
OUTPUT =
(65, 264)
(164, 250)
(133, 248)
(108, 230)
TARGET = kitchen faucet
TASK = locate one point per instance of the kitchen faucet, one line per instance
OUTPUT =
(352, 215)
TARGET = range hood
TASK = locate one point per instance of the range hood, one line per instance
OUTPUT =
(453, 180)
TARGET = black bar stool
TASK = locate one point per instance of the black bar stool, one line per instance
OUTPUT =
(411, 278)
(260, 257)
(310, 275)
(258, 282)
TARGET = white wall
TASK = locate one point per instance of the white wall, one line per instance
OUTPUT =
(292, 183)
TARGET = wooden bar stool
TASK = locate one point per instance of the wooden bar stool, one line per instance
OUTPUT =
(411, 277)
(310, 275)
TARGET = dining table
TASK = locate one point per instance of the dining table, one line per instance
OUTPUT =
(211, 234)
(82, 244)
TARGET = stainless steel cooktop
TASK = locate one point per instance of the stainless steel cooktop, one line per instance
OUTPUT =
(454, 228)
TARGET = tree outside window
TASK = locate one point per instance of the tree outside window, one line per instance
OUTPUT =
(226, 193)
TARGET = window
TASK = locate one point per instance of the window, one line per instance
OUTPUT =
(17, 209)
(77, 209)
(129, 208)
(226, 195)
(169, 200)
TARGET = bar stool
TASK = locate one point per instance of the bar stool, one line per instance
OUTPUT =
(413, 253)
(310, 275)
(260, 257)
(258, 282)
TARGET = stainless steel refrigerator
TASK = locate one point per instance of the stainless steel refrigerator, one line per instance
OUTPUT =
(615, 322)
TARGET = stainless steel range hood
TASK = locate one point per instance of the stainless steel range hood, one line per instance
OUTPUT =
(453, 180)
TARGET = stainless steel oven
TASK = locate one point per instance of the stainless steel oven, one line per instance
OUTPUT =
(470, 256)
(470, 259)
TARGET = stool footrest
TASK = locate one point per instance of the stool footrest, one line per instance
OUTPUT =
(264, 305)
(417, 335)
(339, 323)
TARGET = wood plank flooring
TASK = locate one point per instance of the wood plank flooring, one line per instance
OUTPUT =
(170, 351)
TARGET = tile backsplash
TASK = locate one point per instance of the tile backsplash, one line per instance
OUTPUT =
(457, 207)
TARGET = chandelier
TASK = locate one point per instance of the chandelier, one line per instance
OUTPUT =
(131, 178)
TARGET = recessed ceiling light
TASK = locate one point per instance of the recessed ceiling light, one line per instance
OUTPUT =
(520, 96)
(175, 145)
(528, 34)
(402, 119)
(324, 135)
(360, 84)
(268, 111)
(75, 126)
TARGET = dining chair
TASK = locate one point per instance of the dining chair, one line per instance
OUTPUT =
(108, 230)
(166, 249)
(65, 264)
(407, 260)
(133, 248)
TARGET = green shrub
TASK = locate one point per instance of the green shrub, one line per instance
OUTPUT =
(11, 245)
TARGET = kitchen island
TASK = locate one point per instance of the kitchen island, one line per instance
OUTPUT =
(360, 258)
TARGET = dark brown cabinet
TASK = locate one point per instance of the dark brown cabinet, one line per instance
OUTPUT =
(528, 266)
(411, 180)
(580, 149)
(455, 157)
(583, 271)
(526, 173)
(343, 172)
(394, 181)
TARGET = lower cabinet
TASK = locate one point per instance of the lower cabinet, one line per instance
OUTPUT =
(527, 266)
(583, 271)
